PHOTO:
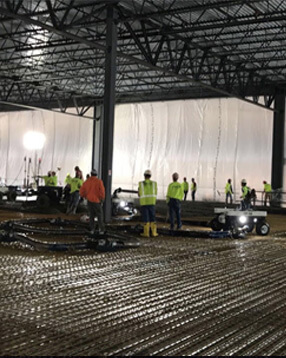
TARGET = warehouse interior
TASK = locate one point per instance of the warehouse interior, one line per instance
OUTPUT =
(123, 86)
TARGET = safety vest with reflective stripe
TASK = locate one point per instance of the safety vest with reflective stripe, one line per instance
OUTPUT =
(228, 188)
(147, 192)
(267, 188)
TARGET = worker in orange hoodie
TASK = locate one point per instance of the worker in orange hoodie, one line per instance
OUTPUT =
(93, 190)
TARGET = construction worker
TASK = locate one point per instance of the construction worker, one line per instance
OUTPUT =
(175, 195)
(267, 192)
(228, 192)
(93, 190)
(185, 188)
(78, 172)
(75, 185)
(245, 202)
(67, 188)
(48, 179)
(193, 189)
(147, 192)
(54, 179)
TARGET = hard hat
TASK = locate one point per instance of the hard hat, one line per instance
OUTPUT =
(243, 181)
(147, 172)
(175, 176)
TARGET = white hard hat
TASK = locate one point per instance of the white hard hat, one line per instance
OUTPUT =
(147, 172)
(243, 181)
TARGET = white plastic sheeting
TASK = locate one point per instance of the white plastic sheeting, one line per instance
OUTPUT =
(68, 143)
(210, 140)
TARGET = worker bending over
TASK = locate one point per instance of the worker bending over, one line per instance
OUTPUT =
(147, 192)
(174, 197)
(93, 190)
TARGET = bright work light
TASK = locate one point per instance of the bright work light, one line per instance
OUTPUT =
(242, 219)
(34, 140)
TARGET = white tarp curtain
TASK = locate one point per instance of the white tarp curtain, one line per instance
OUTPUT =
(211, 140)
(68, 143)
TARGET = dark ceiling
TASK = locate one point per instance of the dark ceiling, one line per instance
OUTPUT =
(53, 51)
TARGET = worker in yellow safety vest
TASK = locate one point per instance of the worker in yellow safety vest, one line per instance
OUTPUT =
(267, 192)
(185, 188)
(48, 179)
(75, 185)
(175, 195)
(147, 192)
(245, 202)
(228, 192)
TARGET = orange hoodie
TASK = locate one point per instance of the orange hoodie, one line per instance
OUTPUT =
(93, 190)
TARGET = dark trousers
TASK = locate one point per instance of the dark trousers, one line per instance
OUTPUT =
(148, 213)
(95, 210)
(185, 195)
(175, 209)
(193, 195)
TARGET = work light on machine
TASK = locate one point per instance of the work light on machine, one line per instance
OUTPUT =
(34, 140)
(242, 219)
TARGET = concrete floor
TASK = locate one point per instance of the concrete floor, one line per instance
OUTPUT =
(172, 296)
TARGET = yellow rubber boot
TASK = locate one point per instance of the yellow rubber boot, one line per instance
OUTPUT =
(154, 229)
(146, 230)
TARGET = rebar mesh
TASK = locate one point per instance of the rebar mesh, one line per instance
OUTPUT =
(171, 296)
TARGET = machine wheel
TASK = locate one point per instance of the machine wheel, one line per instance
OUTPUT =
(262, 228)
(43, 201)
(216, 225)
(250, 227)
(11, 195)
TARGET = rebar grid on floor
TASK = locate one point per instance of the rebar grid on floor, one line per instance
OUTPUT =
(172, 296)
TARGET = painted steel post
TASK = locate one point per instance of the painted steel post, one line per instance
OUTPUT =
(108, 107)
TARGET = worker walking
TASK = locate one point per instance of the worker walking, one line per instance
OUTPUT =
(267, 192)
(228, 192)
(193, 189)
(185, 188)
(147, 192)
(75, 185)
(175, 195)
(246, 195)
(93, 190)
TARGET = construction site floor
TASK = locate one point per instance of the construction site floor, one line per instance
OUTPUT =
(172, 296)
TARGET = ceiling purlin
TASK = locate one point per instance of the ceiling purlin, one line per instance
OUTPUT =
(176, 50)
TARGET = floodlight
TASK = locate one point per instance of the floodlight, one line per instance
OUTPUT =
(34, 140)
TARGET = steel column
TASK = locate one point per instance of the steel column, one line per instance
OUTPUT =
(278, 141)
(109, 103)
(97, 139)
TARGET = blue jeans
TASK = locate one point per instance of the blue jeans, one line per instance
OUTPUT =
(175, 208)
(148, 213)
(228, 195)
